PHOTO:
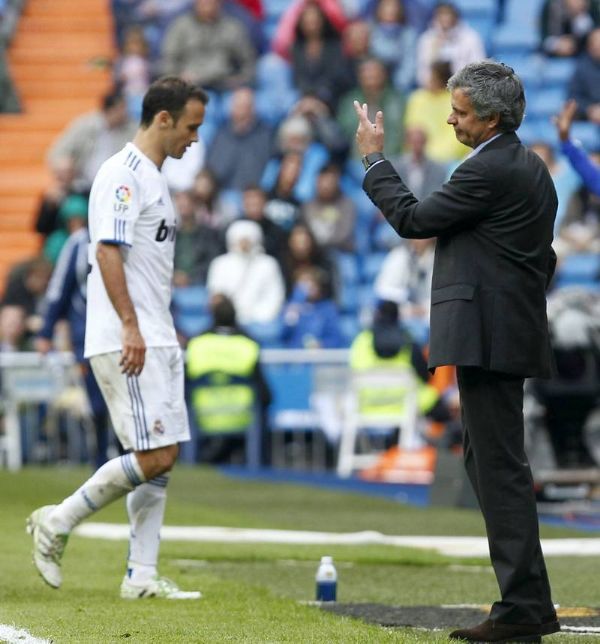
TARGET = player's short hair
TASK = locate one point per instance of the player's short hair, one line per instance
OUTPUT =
(171, 94)
(493, 88)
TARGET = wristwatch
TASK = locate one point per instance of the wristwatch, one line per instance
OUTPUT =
(369, 159)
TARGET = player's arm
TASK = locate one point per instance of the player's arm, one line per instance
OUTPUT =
(110, 263)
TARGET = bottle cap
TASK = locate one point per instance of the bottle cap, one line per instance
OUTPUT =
(327, 560)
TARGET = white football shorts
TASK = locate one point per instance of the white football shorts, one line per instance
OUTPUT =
(147, 411)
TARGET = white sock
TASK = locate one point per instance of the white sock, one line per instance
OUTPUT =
(146, 509)
(113, 480)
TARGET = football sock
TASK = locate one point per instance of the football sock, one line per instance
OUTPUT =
(146, 508)
(113, 480)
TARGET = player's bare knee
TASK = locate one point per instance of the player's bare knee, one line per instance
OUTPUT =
(157, 461)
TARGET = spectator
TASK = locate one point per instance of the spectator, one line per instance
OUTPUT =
(9, 101)
(19, 309)
(226, 387)
(325, 128)
(92, 138)
(331, 216)
(422, 175)
(566, 181)
(72, 216)
(318, 62)
(282, 207)
(274, 237)
(209, 209)
(246, 274)
(65, 299)
(389, 345)
(196, 244)
(303, 253)
(405, 278)
(357, 44)
(584, 86)
(242, 147)
(209, 48)
(375, 90)
(428, 108)
(565, 25)
(295, 135)
(311, 319)
(448, 39)
(394, 42)
(132, 70)
(287, 29)
(62, 185)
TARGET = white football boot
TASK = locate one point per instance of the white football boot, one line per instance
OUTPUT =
(48, 547)
(160, 587)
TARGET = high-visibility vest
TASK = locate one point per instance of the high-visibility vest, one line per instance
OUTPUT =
(386, 400)
(219, 369)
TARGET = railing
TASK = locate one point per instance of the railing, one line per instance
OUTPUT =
(306, 385)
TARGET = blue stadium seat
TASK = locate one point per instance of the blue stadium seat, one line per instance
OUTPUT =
(372, 265)
(348, 298)
(523, 14)
(347, 267)
(349, 327)
(366, 297)
(273, 104)
(588, 134)
(528, 66)
(476, 7)
(267, 334)
(273, 71)
(557, 71)
(275, 7)
(191, 299)
(510, 40)
(290, 385)
(544, 103)
(579, 269)
(192, 324)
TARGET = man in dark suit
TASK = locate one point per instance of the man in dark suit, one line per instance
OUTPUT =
(493, 221)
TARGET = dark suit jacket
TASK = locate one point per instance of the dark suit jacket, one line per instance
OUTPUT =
(493, 259)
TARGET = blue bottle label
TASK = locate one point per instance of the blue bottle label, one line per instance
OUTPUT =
(326, 591)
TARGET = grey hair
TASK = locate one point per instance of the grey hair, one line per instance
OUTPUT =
(493, 88)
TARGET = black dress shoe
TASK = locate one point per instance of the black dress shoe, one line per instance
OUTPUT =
(490, 631)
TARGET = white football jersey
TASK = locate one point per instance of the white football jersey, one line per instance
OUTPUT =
(130, 206)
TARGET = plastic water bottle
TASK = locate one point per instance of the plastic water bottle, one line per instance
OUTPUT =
(326, 579)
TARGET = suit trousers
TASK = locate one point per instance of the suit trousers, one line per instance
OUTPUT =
(497, 466)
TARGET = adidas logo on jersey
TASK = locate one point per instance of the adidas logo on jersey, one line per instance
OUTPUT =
(165, 232)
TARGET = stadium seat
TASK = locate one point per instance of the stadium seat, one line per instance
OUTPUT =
(588, 134)
(191, 299)
(528, 66)
(192, 324)
(557, 71)
(579, 269)
(350, 327)
(372, 265)
(544, 103)
(347, 267)
(348, 298)
(267, 334)
(510, 40)
(476, 7)
(275, 7)
(273, 104)
(273, 71)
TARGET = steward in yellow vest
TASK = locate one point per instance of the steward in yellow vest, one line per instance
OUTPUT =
(388, 346)
(226, 387)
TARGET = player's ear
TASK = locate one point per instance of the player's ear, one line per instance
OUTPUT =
(164, 119)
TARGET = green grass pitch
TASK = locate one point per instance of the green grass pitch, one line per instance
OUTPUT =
(252, 593)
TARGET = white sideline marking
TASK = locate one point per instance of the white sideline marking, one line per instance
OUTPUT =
(12, 635)
(451, 546)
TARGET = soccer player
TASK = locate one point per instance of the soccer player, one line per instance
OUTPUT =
(131, 342)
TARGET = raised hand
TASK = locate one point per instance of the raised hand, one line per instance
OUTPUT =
(564, 119)
(369, 136)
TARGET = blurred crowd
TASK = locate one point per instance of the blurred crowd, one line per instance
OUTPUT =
(270, 199)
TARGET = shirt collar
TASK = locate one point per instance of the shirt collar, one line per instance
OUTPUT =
(480, 147)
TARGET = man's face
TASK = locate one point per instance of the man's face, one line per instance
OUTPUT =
(181, 134)
(469, 129)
